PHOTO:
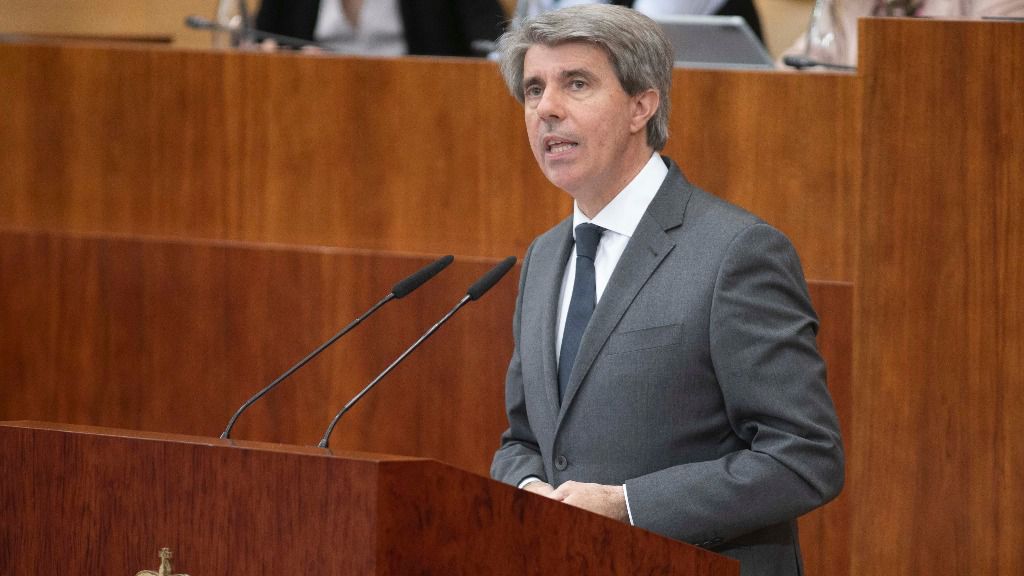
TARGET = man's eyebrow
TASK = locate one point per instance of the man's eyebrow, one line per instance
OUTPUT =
(562, 75)
(576, 72)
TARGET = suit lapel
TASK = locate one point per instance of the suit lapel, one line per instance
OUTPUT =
(649, 245)
(552, 270)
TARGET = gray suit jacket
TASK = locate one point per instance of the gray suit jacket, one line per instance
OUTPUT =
(698, 383)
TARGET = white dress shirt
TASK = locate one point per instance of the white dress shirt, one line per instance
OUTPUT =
(379, 31)
(619, 219)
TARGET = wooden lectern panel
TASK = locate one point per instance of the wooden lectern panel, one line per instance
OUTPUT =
(101, 501)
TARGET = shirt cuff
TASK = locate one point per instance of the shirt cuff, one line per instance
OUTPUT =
(528, 480)
(629, 512)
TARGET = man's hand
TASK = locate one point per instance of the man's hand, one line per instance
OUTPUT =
(539, 487)
(605, 500)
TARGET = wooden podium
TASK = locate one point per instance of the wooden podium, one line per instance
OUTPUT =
(93, 500)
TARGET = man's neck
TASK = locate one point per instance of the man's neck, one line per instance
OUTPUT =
(592, 204)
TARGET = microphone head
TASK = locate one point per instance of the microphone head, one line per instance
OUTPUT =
(801, 62)
(199, 23)
(798, 62)
(418, 278)
(487, 281)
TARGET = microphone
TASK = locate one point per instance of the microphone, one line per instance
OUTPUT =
(475, 292)
(400, 290)
(801, 62)
(200, 23)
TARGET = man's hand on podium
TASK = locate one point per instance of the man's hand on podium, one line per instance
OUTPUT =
(539, 487)
(605, 500)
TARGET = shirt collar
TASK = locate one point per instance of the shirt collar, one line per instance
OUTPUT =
(622, 215)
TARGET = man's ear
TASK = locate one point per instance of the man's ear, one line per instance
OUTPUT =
(645, 104)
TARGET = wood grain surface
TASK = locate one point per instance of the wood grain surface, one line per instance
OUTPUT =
(940, 284)
(105, 502)
(400, 154)
(172, 336)
(825, 533)
(362, 153)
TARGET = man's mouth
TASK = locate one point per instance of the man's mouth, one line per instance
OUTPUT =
(555, 145)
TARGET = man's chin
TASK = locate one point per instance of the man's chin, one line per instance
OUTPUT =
(564, 179)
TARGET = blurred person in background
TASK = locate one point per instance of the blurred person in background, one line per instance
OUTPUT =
(388, 27)
(831, 36)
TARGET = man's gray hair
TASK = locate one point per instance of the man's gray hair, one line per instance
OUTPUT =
(640, 54)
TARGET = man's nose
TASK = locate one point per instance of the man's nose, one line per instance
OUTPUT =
(551, 106)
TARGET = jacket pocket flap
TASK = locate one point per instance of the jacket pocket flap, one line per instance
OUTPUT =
(644, 338)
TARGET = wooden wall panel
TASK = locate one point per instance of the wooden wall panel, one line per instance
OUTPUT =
(408, 154)
(173, 336)
(825, 532)
(939, 465)
(781, 145)
(424, 155)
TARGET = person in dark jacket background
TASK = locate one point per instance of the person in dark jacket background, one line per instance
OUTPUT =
(388, 27)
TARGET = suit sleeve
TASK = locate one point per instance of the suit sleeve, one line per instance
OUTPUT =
(763, 348)
(518, 455)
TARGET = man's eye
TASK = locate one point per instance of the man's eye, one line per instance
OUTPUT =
(533, 91)
(578, 84)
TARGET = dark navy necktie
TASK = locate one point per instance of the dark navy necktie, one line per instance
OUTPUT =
(581, 307)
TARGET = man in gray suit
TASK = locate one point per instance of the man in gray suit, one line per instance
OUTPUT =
(665, 370)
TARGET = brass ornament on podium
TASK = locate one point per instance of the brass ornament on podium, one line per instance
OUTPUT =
(165, 568)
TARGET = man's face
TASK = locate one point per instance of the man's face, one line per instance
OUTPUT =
(585, 131)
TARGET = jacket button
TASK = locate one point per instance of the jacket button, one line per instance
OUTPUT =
(561, 463)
